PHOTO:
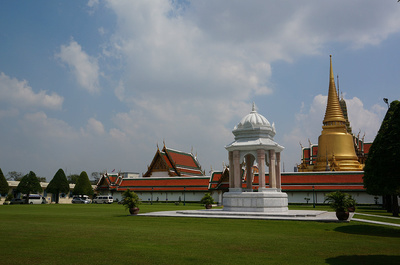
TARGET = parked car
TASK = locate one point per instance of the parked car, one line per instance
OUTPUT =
(80, 200)
(17, 201)
(103, 199)
(35, 199)
(84, 197)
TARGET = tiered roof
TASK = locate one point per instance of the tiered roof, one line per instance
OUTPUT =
(182, 173)
(109, 182)
(174, 163)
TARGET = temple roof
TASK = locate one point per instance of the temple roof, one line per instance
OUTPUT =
(176, 163)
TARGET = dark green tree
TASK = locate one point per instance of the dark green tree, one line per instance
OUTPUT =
(381, 171)
(83, 186)
(4, 188)
(29, 184)
(59, 184)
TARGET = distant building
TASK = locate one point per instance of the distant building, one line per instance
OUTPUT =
(172, 176)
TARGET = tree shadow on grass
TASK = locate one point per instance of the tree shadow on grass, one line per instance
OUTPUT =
(369, 230)
(363, 259)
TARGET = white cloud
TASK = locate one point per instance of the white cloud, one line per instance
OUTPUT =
(38, 125)
(9, 113)
(92, 3)
(191, 69)
(95, 126)
(365, 121)
(21, 95)
(84, 67)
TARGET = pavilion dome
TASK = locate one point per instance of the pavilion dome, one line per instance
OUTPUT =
(254, 124)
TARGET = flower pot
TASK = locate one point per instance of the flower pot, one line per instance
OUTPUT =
(342, 216)
(208, 206)
(134, 211)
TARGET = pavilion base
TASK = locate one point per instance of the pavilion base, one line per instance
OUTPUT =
(266, 200)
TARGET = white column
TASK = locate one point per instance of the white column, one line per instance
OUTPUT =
(272, 173)
(278, 170)
(249, 172)
(261, 169)
(237, 183)
(231, 170)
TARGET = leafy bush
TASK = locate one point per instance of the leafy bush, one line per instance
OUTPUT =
(130, 199)
(339, 201)
(207, 199)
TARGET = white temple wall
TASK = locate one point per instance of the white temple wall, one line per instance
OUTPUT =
(293, 196)
(319, 197)
(172, 196)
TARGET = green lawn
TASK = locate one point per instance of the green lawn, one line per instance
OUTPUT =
(105, 234)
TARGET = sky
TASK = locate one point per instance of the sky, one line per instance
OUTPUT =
(97, 85)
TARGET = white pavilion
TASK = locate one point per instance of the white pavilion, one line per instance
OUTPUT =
(254, 142)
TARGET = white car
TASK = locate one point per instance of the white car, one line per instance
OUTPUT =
(103, 199)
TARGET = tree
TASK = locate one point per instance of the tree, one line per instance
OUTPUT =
(96, 176)
(59, 184)
(83, 186)
(29, 184)
(41, 179)
(4, 188)
(14, 175)
(381, 174)
(73, 178)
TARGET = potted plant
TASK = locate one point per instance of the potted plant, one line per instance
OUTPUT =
(131, 201)
(352, 204)
(340, 202)
(207, 200)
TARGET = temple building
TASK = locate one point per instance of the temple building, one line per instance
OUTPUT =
(338, 149)
(172, 176)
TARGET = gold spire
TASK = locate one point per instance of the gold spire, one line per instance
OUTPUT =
(335, 144)
(333, 111)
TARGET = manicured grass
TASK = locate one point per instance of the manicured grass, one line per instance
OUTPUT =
(105, 234)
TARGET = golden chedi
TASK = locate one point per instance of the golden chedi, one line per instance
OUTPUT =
(335, 145)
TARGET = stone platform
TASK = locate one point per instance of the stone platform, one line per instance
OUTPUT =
(269, 201)
(294, 215)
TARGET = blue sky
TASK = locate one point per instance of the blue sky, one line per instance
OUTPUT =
(96, 85)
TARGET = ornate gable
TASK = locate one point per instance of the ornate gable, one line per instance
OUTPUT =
(160, 163)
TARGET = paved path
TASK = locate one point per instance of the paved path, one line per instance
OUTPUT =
(294, 215)
(376, 222)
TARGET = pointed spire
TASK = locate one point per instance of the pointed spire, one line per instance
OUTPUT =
(333, 111)
(253, 108)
